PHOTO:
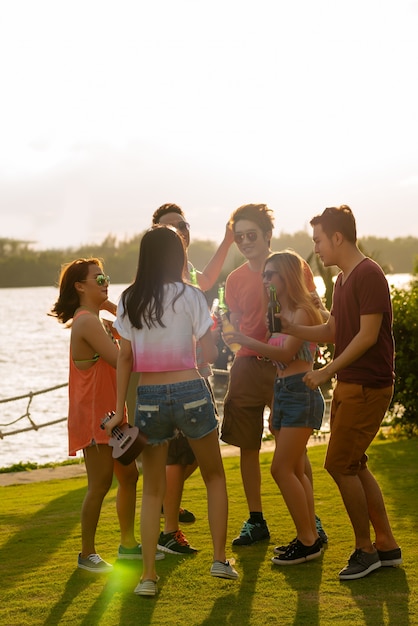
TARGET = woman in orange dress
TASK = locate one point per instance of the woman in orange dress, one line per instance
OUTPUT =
(92, 394)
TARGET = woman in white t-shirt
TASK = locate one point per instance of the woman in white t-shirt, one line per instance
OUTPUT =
(160, 318)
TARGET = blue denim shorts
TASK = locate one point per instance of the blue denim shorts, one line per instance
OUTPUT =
(164, 410)
(295, 405)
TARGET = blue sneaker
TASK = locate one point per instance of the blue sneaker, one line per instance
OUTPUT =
(321, 532)
(251, 533)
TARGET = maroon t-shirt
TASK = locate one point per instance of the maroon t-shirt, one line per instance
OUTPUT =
(365, 292)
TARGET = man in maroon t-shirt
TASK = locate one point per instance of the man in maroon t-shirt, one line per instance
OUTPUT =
(360, 325)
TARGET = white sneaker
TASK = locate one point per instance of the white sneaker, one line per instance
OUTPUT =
(223, 570)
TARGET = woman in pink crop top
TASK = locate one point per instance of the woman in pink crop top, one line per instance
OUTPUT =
(92, 393)
(160, 318)
(297, 410)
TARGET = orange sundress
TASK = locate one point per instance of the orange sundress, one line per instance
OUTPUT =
(92, 394)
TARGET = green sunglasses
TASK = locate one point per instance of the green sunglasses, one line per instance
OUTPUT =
(100, 279)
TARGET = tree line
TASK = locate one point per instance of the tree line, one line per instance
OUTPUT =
(22, 266)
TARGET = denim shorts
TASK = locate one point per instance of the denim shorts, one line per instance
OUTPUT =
(164, 410)
(295, 405)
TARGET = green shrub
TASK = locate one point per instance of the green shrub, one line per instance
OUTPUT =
(404, 407)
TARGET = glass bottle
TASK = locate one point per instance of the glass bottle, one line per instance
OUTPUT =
(273, 307)
(227, 326)
(193, 276)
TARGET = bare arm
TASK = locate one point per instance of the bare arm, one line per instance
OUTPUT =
(123, 373)
(284, 353)
(365, 339)
(109, 306)
(207, 278)
(208, 347)
(321, 333)
(320, 305)
(89, 338)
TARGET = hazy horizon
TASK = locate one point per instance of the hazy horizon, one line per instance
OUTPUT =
(111, 110)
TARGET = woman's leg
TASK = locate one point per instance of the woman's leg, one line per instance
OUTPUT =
(154, 460)
(209, 458)
(99, 467)
(288, 470)
(127, 476)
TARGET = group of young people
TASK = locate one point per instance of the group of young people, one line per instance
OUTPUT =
(165, 345)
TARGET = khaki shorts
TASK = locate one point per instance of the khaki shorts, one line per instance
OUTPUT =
(356, 415)
(250, 390)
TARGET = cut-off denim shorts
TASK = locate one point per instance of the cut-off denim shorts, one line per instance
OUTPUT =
(295, 405)
(163, 410)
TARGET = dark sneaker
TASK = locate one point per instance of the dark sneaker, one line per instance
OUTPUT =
(94, 563)
(186, 517)
(282, 549)
(298, 553)
(251, 533)
(390, 558)
(223, 570)
(321, 532)
(175, 543)
(360, 564)
(135, 553)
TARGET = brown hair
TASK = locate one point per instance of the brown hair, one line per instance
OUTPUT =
(68, 300)
(337, 220)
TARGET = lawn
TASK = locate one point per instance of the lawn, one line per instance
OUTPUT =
(40, 538)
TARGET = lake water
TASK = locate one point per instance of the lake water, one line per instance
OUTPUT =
(34, 357)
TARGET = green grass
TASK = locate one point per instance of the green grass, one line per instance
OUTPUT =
(40, 539)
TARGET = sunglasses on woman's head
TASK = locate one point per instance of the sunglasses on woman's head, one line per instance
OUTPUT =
(251, 235)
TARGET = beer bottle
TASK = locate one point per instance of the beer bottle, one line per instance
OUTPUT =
(227, 326)
(273, 307)
(193, 276)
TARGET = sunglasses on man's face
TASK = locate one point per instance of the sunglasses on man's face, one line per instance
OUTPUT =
(251, 235)
(184, 226)
(100, 279)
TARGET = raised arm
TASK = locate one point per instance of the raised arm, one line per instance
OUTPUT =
(207, 278)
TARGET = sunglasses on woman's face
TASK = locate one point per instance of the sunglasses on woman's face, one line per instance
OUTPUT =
(100, 279)
(268, 274)
(251, 235)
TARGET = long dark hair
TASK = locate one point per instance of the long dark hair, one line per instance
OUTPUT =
(162, 260)
(68, 299)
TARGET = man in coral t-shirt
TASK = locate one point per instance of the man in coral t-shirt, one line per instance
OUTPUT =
(252, 377)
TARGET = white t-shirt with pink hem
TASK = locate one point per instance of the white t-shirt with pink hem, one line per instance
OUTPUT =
(172, 347)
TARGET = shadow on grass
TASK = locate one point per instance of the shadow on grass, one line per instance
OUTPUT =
(394, 465)
(305, 580)
(118, 589)
(230, 609)
(64, 513)
(385, 600)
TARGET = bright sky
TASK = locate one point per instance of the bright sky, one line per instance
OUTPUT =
(110, 109)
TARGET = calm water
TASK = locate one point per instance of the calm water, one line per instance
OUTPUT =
(33, 357)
